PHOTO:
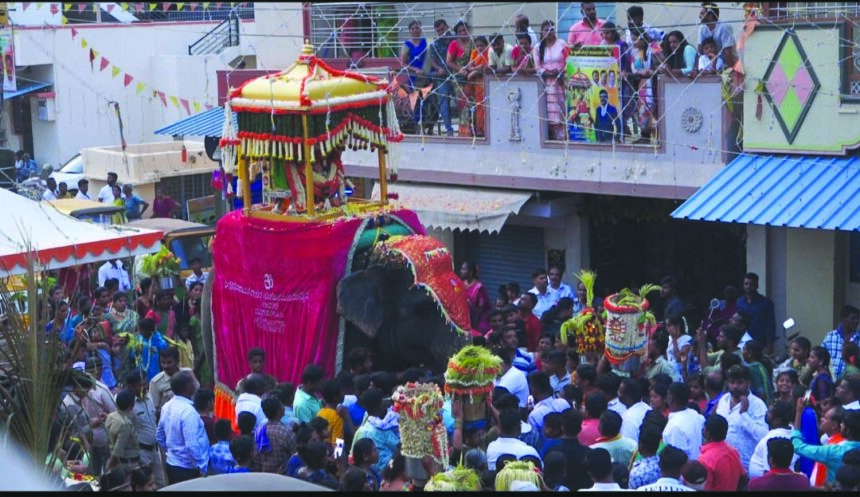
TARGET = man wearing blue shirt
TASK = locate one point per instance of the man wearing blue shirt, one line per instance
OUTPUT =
(763, 326)
(133, 203)
(181, 433)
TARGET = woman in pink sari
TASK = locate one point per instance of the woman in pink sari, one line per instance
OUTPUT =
(550, 62)
(479, 299)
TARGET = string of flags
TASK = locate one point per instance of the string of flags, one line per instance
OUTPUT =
(130, 7)
(97, 59)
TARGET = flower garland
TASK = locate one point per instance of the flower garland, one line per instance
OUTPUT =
(459, 479)
(422, 431)
(161, 264)
(586, 327)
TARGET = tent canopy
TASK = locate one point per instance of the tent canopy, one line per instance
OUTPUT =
(57, 240)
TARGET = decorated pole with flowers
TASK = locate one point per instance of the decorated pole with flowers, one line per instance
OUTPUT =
(628, 325)
(469, 379)
(586, 328)
(422, 432)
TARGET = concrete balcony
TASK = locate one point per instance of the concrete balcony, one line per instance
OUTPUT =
(696, 135)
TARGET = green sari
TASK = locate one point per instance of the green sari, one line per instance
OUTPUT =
(204, 372)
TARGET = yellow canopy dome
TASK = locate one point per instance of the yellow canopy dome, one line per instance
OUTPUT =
(308, 84)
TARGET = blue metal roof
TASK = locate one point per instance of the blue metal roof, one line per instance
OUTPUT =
(25, 87)
(209, 123)
(792, 191)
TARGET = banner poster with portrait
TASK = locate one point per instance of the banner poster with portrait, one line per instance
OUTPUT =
(593, 95)
(6, 48)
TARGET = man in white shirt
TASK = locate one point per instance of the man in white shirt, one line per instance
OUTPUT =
(555, 284)
(711, 27)
(181, 432)
(848, 392)
(684, 427)
(197, 273)
(609, 384)
(630, 394)
(779, 418)
(501, 55)
(252, 400)
(541, 389)
(114, 269)
(83, 190)
(599, 465)
(546, 296)
(672, 461)
(512, 379)
(51, 192)
(744, 412)
(106, 193)
(508, 441)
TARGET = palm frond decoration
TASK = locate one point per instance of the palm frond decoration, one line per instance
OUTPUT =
(587, 277)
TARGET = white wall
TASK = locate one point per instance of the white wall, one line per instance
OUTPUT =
(279, 34)
(155, 54)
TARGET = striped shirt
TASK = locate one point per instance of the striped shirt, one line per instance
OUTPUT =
(182, 435)
(665, 485)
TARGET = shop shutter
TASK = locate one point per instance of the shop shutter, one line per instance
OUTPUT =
(510, 255)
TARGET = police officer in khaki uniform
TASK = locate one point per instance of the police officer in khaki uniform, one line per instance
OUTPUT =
(145, 425)
(159, 387)
(124, 448)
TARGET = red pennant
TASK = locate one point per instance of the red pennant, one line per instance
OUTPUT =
(163, 97)
(54, 9)
(165, 6)
(138, 8)
(92, 58)
(103, 64)
(193, 7)
(26, 4)
(110, 7)
(81, 7)
(184, 103)
(74, 33)
(127, 79)
(209, 107)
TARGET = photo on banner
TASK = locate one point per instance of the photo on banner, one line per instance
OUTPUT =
(6, 48)
(593, 94)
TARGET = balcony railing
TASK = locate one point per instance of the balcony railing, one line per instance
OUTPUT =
(225, 34)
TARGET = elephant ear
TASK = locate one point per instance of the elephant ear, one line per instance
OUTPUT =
(360, 299)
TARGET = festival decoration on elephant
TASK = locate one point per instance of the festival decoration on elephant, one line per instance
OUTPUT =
(586, 328)
(628, 325)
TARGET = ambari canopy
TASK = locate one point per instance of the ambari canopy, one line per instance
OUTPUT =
(56, 240)
(298, 121)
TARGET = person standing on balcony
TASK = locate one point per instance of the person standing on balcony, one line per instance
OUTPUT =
(521, 26)
(134, 205)
(551, 59)
(587, 31)
(415, 62)
(459, 54)
(163, 205)
(636, 21)
(442, 84)
(711, 27)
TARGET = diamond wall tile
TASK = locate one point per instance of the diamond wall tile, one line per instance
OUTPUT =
(802, 84)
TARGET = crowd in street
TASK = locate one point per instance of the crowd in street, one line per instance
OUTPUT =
(447, 74)
(703, 412)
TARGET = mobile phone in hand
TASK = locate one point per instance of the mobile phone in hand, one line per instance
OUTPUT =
(338, 448)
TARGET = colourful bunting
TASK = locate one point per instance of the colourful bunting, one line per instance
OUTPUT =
(115, 71)
(63, 20)
(175, 101)
(84, 43)
(193, 7)
(54, 9)
(66, 7)
(162, 97)
(39, 5)
(81, 7)
(95, 7)
(74, 33)
(139, 87)
(138, 8)
(153, 6)
(209, 107)
(103, 64)
(92, 58)
(179, 6)
(206, 5)
(196, 106)
(165, 6)
(127, 79)
(124, 6)
(110, 7)
(26, 4)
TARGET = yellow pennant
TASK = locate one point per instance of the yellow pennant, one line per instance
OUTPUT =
(63, 20)
(196, 106)
(95, 7)
(124, 6)
(39, 5)
(67, 6)
(179, 6)
(95, 53)
(139, 87)
(174, 101)
(84, 43)
(206, 5)
(152, 6)
(115, 71)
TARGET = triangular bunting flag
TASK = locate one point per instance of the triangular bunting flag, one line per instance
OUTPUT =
(92, 58)
(153, 6)
(174, 101)
(95, 53)
(63, 20)
(162, 97)
(39, 5)
(54, 9)
(25, 5)
(81, 7)
(115, 71)
(165, 6)
(110, 7)
(218, 5)
(206, 5)
(95, 7)
(138, 8)
(193, 6)
(66, 7)
(139, 87)
(103, 64)
(208, 107)
(74, 33)
(84, 43)
(124, 6)
(179, 6)
(196, 106)
(127, 79)
(185, 106)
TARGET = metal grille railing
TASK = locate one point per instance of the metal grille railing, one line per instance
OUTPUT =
(225, 34)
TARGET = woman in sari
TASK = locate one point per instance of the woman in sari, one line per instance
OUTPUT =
(478, 297)
(61, 324)
(162, 314)
(458, 57)
(118, 200)
(143, 304)
(551, 59)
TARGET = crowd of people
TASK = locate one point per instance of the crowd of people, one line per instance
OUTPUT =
(702, 412)
(446, 75)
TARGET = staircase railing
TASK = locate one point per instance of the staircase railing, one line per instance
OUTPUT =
(225, 34)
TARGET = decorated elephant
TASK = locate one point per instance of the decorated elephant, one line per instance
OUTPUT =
(400, 319)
